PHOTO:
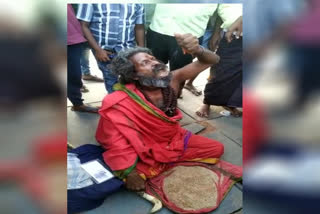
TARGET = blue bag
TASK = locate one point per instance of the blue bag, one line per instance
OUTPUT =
(92, 196)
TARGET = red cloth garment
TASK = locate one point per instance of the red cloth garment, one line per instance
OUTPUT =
(255, 129)
(227, 173)
(127, 131)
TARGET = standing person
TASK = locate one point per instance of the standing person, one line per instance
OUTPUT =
(169, 19)
(85, 68)
(110, 28)
(225, 87)
(75, 40)
(84, 62)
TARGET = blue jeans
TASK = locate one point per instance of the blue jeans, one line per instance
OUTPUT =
(206, 38)
(74, 74)
(109, 78)
(84, 59)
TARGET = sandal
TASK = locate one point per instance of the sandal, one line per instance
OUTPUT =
(193, 90)
(90, 77)
(84, 89)
(85, 108)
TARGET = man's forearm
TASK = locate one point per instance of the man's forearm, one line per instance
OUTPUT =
(139, 34)
(206, 56)
(87, 33)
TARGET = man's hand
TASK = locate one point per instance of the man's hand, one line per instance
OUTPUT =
(205, 59)
(102, 55)
(134, 181)
(235, 30)
(188, 43)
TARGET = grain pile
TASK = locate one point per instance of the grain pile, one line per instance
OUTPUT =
(191, 187)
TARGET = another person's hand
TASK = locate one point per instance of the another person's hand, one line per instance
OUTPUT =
(188, 43)
(134, 181)
(235, 30)
(102, 55)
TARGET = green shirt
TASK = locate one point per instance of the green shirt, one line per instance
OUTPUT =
(229, 13)
(149, 11)
(182, 18)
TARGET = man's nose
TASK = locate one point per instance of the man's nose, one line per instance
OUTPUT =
(155, 62)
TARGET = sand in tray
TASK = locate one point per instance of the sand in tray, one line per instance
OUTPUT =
(191, 187)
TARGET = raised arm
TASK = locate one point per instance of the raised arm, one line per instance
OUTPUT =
(206, 58)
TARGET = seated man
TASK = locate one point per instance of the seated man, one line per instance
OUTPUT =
(139, 125)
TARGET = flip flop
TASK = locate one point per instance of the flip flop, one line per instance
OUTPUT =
(225, 113)
(233, 111)
(90, 77)
(84, 89)
(85, 108)
(193, 90)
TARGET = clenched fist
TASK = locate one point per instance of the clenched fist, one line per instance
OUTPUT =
(189, 43)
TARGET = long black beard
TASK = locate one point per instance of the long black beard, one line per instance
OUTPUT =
(156, 82)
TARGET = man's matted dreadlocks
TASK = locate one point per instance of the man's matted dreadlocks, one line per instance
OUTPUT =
(123, 67)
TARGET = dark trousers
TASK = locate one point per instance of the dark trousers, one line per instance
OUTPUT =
(166, 49)
(225, 87)
(74, 74)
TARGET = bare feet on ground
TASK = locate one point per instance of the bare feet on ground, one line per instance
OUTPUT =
(203, 111)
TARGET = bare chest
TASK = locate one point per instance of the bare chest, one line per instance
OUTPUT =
(164, 99)
(156, 99)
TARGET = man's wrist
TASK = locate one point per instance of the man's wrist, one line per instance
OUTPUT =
(98, 49)
(200, 51)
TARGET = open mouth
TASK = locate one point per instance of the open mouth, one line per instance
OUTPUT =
(158, 67)
(163, 73)
(161, 70)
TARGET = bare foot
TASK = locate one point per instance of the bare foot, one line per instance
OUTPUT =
(234, 111)
(203, 111)
(193, 89)
(134, 181)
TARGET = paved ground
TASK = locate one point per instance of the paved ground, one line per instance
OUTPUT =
(228, 130)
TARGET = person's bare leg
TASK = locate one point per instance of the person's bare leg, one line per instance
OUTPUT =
(203, 110)
(189, 86)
